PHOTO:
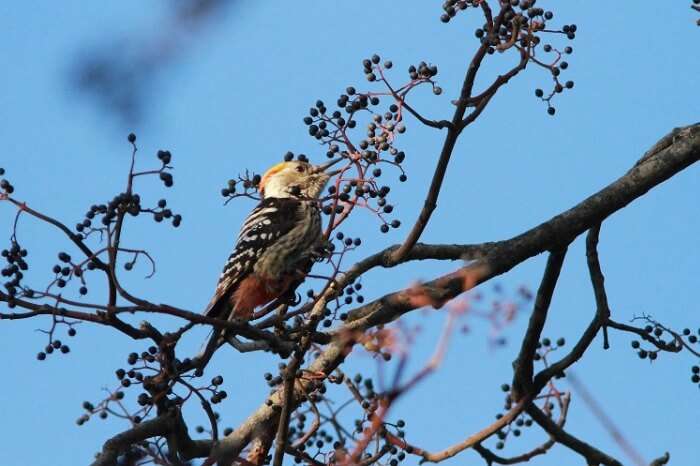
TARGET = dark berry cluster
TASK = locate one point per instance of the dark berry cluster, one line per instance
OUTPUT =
(648, 353)
(358, 185)
(314, 441)
(217, 393)
(55, 346)
(657, 339)
(328, 127)
(515, 427)
(14, 268)
(546, 346)
(165, 176)
(519, 25)
(556, 67)
(121, 204)
(425, 73)
(338, 246)
(451, 7)
(690, 337)
(101, 217)
(102, 409)
(353, 191)
(66, 270)
(144, 371)
(164, 156)
(245, 186)
(5, 185)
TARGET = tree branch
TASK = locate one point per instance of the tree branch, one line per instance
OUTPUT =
(542, 449)
(170, 422)
(523, 366)
(593, 455)
(453, 132)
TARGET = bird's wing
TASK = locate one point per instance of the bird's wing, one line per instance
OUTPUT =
(266, 224)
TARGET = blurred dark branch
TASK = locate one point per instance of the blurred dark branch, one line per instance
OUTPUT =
(593, 455)
(605, 420)
(120, 74)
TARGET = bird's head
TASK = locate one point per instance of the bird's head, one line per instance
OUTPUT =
(296, 179)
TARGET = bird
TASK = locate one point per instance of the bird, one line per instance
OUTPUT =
(278, 242)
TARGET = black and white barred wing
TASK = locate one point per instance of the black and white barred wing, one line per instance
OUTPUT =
(265, 225)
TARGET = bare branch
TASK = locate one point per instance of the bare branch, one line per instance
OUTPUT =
(593, 455)
(524, 364)
(542, 449)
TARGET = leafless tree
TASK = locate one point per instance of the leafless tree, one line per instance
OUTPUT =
(315, 335)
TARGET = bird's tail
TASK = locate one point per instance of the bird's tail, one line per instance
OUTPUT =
(215, 337)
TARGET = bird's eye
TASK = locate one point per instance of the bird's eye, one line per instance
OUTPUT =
(301, 168)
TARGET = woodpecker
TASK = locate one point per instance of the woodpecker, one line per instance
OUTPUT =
(277, 243)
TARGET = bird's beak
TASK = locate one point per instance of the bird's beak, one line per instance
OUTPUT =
(325, 166)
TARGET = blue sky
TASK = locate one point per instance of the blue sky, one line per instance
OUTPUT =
(235, 99)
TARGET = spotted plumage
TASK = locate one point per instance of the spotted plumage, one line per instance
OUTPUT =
(277, 242)
(275, 247)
